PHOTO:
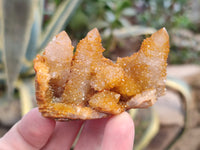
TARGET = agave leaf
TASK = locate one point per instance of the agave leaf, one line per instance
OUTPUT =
(184, 89)
(150, 132)
(59, 20)
(17, 22)
(26, 66)
(130, 31)
(2, 76)
(27, 94)
(1, 38)
(36, 30)
(1, 26)
(133, 113)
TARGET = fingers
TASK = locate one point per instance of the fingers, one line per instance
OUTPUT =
(63, 135)
(107, 134)
(32, 132)
(91, 135)
(119, 133)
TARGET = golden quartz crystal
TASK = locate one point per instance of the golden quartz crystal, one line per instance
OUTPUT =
(86, 85)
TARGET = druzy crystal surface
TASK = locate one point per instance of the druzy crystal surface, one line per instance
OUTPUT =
(86, 85)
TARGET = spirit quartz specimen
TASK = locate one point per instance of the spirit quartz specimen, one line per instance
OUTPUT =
(86, 85)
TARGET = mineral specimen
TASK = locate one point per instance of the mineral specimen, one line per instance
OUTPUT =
(87, 85)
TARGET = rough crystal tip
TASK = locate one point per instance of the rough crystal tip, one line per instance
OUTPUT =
(94, 35)
(160, 37)
(63, 38)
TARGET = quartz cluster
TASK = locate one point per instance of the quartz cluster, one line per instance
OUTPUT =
(86, 85)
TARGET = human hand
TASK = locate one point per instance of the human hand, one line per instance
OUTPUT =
(34, 132)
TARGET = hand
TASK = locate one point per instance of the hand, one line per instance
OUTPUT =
(34, 132)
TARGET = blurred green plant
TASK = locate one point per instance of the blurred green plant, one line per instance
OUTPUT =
(147, 126)
(184, 90)
(183, 56)
(112, 14)
(22, 37)
(103, 14)
(106, 15)
(159, 13)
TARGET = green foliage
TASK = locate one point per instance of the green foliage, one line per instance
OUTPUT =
(112, 14)
(103, 14)
(147, 125)
(57, 2)
(185, 91)
(16, 30)
(58, 21)
(183, 56)
(182, 21)
(158, 13)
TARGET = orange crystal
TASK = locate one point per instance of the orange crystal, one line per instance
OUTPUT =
(87, 85)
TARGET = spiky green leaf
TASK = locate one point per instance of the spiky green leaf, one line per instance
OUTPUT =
(150, 132)
(27, 94)
(16, 24)
(59, 20)
(36, 30)
(133, 31)
(184, 89)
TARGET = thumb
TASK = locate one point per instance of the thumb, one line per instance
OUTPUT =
(31, 132)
